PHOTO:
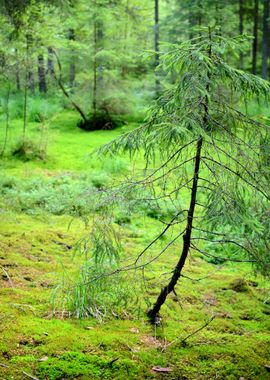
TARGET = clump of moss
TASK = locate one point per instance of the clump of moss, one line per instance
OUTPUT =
(239, 285)
(74, 364)
(28, 150)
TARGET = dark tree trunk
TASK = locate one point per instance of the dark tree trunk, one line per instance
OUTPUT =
(18, 80)
(265, 40)
(7, 122)
(241, 29)
(72, 68)
(25, 103)
(199, 15)
(97, 64)
(191, 25)
(157, 46)
(255, 37)
(219, 8)
(30, 74)
(41, 74)
(17, 73)
(31, 81)
(100, 36)
(124, 67)
(154, 312)
(50, 62)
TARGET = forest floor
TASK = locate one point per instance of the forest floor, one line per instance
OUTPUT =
(37, 247)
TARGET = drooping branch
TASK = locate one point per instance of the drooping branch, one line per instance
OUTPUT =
(221, 258)
(224, 241)
(237, 174)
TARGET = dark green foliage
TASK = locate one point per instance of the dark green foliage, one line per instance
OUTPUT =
(102, 121)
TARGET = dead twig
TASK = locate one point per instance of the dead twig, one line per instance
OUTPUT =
(183, 341)
(8, 277)
(30, 376)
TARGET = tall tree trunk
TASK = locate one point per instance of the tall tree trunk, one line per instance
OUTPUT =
(153, 313)
(41, 74)
(30, 74)
(255, 36)
(241, 29)
(25, 104)
(7, 122)
(218, 17)
(17, 73)
(94, 102)
(31, 81)
(50, 62)
(199, 14)
(157, 82)
(124, 68)
(265, 39)
(71, 37)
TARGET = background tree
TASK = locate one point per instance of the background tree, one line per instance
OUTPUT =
(157, 42)
(265, 39)
(255, 36)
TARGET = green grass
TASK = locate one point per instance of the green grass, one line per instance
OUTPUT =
(39, 232)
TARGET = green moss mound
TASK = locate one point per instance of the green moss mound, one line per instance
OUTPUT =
(74, 364)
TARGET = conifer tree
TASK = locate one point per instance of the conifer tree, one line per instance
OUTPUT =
(210, 149)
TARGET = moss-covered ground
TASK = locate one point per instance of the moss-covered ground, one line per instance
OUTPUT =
(36, 247)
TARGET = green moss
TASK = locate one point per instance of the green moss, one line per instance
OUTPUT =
(36, 247)
(73, 364)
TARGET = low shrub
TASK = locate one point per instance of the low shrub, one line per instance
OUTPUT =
(28, 150)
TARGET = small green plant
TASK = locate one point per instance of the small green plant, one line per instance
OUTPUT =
(93, 291)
